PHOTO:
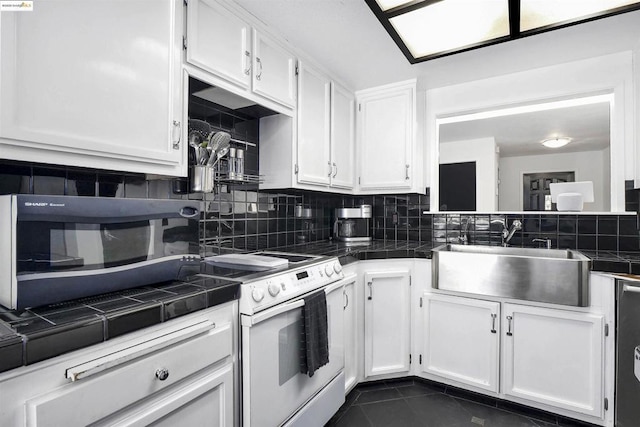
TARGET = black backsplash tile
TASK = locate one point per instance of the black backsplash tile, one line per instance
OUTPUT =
(49, 181)
(608, 225)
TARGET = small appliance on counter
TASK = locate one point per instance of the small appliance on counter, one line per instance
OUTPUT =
(352, 225)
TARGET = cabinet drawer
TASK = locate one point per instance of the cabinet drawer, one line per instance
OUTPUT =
(105, 392)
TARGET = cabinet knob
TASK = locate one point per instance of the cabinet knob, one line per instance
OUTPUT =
(162, 374)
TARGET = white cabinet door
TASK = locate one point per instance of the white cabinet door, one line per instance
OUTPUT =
(314, 91)
(554, 357)
(93, 84)
(386, 138)
(461, 340)
(210, 398)
(274, 71)
(387, 322)
(219, 41)
(342, 137)
(350, 336)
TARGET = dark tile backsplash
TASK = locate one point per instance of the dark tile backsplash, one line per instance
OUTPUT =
(604, 232)
(243, 218)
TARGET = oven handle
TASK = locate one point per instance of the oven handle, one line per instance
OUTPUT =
(283, 308)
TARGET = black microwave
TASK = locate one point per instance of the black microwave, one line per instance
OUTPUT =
(58, 248)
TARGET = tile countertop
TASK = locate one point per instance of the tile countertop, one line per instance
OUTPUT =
(33, 335)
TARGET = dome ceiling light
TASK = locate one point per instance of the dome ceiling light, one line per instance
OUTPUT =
(556, 142)
(429, 29)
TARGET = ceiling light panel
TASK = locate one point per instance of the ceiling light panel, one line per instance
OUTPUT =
(540, 13)
(451, 24)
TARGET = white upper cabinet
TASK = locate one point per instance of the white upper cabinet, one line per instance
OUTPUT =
(342, 137)
(314, 127)
(274, 70)
(325, 131)
(220, 41)
(323, 144)
(92, 84)
(386, 138)
(209, 23)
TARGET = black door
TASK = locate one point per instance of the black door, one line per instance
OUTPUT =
(457, 190)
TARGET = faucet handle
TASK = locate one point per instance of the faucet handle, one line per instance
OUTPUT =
(547, 241)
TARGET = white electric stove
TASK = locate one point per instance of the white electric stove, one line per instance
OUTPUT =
(274, 286)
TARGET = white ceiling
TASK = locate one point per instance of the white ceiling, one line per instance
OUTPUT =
(521, 134)
(348, 41)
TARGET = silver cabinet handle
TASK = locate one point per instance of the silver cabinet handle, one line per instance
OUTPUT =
(370, 284)
(247, 55)
(406, 172)
(509, 319)
(346, 302)
(176, 135)
(162, 374)
(336, 170)
(493, 323)
(330, 169)
(259, 75)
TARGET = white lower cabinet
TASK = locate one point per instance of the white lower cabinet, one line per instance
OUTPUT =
(387, 322)
(461, 340)
(554, 357)
(550, 358)
(180, 373)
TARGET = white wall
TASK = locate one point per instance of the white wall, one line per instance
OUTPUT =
(483, 152)
(588, 166)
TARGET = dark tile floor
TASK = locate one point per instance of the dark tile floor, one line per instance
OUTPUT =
(416, 402)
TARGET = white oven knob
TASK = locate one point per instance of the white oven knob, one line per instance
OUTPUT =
(328, 270)
(274, 289)
(337, 267)
(257, 294)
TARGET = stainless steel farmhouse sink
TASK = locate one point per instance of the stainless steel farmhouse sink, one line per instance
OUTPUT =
(546, 275)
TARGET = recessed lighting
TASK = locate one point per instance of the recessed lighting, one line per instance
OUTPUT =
(556, 142)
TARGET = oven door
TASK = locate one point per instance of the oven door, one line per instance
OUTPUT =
(273, 387)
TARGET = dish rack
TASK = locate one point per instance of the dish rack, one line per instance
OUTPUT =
(221, 175)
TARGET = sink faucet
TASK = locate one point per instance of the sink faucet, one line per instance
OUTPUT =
(508, 232)
(464, 230)
(547, 241)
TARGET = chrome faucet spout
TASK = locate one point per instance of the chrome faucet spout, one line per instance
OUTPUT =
(464, 230)
(508, 232)
(515, 226)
